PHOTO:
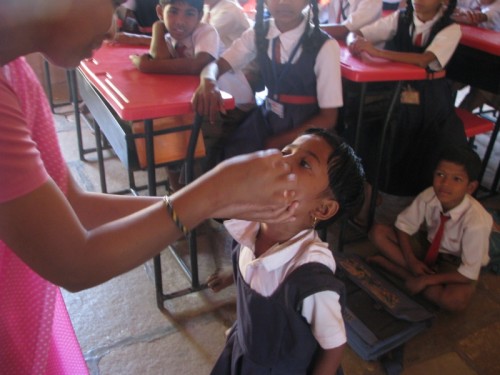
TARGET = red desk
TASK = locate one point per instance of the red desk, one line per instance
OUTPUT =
(365, 70)
(116, 92)
(476, 62)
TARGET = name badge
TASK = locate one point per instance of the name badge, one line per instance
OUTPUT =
(275, 107)
(410, 96)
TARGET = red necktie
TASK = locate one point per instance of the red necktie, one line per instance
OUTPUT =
(277, 50)
(432, 253)
(418, 40)
(180, 49)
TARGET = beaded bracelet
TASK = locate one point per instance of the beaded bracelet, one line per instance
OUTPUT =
(174, 216)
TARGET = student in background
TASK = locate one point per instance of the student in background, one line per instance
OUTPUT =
(460, 245)
(182, 44)
(228, 18)
(287, 295)
(300, 68)
(481, 13)
(425, 119)
(344, 16)
(484, 14)
(52, 233)
(137, 16)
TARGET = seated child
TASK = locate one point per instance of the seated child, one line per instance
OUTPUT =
(288, 310)
(182, 44)
(484, 14)
(463, 242)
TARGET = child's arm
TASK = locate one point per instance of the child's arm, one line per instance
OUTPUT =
(158, 47)
(207, 99)
(133, 39)
(328, 361)
(360, 44)
(147, 64)
(469, 16)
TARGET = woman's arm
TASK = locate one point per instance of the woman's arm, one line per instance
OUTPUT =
(45, 230)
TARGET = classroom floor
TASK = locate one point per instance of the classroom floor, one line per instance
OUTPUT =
(122, 332)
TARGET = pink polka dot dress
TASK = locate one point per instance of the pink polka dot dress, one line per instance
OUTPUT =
(36, 335)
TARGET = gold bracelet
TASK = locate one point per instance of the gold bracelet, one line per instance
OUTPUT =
(173, 215)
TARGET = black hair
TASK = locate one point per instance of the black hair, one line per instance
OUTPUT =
(464, 156)
(346, 176)
(197, 4)
(444, 21)
(261, 27)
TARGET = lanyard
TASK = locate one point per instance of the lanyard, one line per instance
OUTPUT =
(288, 64)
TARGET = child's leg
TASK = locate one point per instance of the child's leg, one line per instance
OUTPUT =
(451, 297)
(220, 280)
(385, 239)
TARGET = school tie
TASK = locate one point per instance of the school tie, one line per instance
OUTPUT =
(180, 49)
(277, 50)
(418, 40)
(432, 253)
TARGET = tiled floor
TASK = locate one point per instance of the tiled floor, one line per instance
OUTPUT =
(122, 332)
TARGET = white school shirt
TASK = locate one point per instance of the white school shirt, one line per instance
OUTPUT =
(228, 18)
(264, 274)
(466, 234)
(443, 45)
(326, 68)
(358, 13)
(205, 39)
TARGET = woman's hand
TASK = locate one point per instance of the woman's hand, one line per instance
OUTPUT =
(360, 44)
(264, 191)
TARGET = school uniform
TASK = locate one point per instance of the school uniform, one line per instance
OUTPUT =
(288, 302)
(466, 234)
(424, 121)
(228, 18)
(298, 85)
(352, 14)
(205, 39)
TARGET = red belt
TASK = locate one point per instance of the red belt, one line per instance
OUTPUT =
(297, 99)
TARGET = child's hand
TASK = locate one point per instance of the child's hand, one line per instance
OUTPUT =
(141, 61)
(419, 268)
(360, 45)
(207, 100)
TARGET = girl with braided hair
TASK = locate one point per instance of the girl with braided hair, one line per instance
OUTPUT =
(300, 68)
(424, 121)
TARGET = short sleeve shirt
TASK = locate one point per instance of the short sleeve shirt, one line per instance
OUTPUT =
(264, 275)
(466, 234)
(442, 46)
(326, 68)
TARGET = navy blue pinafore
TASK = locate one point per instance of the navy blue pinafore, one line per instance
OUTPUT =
(291, 85)
(270, 335)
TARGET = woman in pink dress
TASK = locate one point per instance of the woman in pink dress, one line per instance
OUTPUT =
(54, 234)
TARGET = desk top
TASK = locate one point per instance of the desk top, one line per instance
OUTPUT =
(135, 95)
(481, 39)
(369, 69)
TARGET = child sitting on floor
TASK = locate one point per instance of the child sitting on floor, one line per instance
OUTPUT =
(288, 312)
(462, 240)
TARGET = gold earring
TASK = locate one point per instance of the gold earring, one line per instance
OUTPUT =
(315, 221)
